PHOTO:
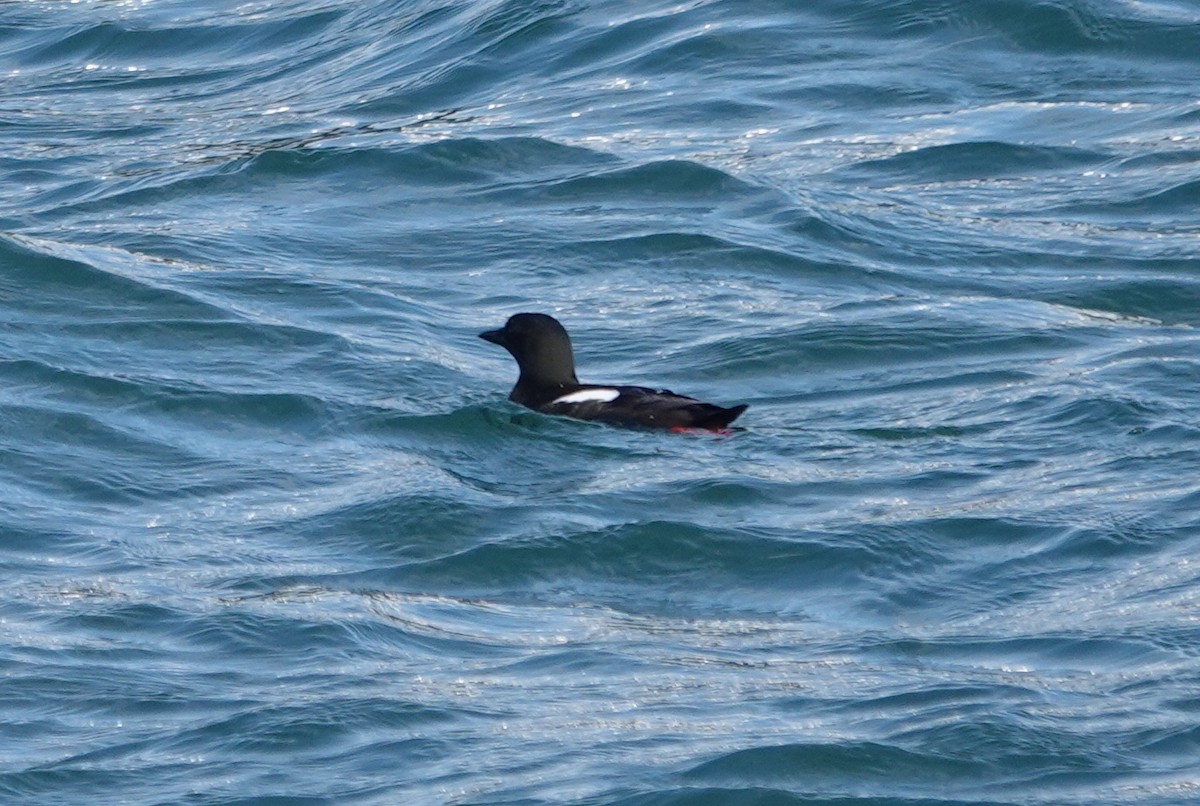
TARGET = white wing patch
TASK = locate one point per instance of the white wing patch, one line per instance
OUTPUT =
(589, 396)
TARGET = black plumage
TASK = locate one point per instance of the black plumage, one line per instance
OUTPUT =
(547, 383)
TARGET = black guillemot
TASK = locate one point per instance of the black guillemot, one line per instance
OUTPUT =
(548, 384)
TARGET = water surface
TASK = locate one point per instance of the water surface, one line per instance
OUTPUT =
(271, 532)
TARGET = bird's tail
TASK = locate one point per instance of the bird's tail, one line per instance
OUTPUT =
(722, 417)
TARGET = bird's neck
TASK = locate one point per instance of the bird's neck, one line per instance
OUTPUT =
(534, 389)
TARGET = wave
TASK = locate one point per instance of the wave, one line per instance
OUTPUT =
(959, 161)
(1165, 202)
(49, 279)
(1039, 27)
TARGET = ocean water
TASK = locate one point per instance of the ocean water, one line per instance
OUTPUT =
(271, 533)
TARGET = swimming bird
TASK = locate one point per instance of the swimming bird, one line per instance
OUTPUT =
(547, 383)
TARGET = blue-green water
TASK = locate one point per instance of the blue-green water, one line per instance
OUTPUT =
(271, 533)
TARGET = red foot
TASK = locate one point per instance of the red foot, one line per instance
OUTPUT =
(679, 429)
